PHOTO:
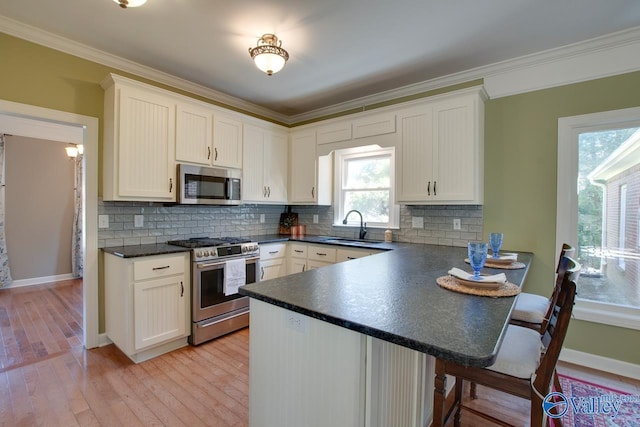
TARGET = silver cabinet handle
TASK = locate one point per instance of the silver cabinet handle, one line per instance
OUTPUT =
(298, 251)
(313, 191)
(304, 266)
(273, 252)
(434, 188)
(429, 188)
(216, 151)
(161, 268)
(208, 153)
(268, 191)
(320, 254)
(264, 192)
(170, 185)
(262, 273)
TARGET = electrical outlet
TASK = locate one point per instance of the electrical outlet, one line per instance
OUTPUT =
(103, 221)
(296, 321)
(456, 224)
(138, 221)
(262, 219)
(315, 219)
(417, 222)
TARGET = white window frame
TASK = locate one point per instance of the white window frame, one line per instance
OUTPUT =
(622, 225)
(569, 129)
(359, 152)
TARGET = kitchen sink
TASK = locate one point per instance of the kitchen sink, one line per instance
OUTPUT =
(354, 242)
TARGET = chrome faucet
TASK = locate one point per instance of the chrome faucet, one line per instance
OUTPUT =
(363, 225)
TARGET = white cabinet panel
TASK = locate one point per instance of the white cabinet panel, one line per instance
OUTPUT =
(193, 134)
(311, 175)
(440, 150)
(147, 303)
(265, 160)
(334, 133)
(159, 311)
(227, 141)
(139, 144)
(378, 124)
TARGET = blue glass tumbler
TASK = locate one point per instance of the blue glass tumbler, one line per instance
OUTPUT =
(495, 241)
(477, 256)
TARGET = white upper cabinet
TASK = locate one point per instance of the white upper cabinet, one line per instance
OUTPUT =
(193, 134)
(265, 159)
(206, 137)
(139, 143)
(311, 175)
(227, 141)
(440, 150)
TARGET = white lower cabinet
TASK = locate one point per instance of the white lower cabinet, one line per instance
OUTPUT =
(147, 301)
(273, 260)
(298, 380)
(296, 258)
(343, 255)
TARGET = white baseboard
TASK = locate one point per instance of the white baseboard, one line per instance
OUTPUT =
(601, 363)
(103, 340)
(39, 280)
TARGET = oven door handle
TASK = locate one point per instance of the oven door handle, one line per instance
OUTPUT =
(222, 320)
(201, 266)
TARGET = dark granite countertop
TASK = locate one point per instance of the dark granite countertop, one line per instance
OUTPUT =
(394, 296)
(134, 251)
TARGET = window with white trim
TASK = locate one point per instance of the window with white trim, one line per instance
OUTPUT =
(365, 182)
(598, 174)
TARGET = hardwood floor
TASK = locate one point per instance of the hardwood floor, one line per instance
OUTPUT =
(48, 378)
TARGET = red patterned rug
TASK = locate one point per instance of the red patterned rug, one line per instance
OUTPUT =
(584, 404)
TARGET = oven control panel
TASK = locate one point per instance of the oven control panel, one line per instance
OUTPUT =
(225, 251)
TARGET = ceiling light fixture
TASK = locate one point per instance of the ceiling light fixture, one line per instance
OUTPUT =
(268, 55)
(130, 3)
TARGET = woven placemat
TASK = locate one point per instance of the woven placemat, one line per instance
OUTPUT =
(508, 289)
(511, 266)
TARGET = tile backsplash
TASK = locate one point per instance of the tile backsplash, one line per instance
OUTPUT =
(169, 222)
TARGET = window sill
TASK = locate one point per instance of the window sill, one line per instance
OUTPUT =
(608, 314)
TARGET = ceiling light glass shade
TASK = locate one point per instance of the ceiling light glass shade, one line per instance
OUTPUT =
(130, 3)
(80, 149)
(268, 55)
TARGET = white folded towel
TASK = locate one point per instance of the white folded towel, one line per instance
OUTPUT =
(461, 274)
(504, 257)
(235, 275)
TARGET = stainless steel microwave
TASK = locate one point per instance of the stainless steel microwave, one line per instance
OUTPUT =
(208, 186)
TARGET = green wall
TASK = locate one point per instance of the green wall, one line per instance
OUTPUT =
(521, 151)
(520, 156)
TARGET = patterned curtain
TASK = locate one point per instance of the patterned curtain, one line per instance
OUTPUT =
(77, 254)
(5, 273)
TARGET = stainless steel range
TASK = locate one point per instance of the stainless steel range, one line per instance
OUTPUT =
(219, 266)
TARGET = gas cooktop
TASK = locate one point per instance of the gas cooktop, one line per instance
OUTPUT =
(207, 249)
(204, 242)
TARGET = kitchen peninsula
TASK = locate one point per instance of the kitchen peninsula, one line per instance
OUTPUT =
(351, 344)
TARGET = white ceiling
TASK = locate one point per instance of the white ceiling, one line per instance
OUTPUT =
(340, 49)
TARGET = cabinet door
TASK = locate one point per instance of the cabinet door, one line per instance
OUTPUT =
(311, 264)
(275, 167)
(304, 163)
(193, 134)
(414, 169)
(227, 142)
(159, 310)
(253, 188)
(146, 135)
(297, 265)
(454, 151)
(272, 269)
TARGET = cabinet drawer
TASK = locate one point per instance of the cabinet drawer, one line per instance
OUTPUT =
(349, 254)
(321, 253)
(152, 267)
(272, 250)
(297, 250)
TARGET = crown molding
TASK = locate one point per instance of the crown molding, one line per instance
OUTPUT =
(62, 44)
(604, 56)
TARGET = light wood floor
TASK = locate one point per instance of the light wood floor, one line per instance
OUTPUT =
(48, 378)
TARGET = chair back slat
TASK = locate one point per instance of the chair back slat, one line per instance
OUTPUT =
(566, 265)
(554, 335)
